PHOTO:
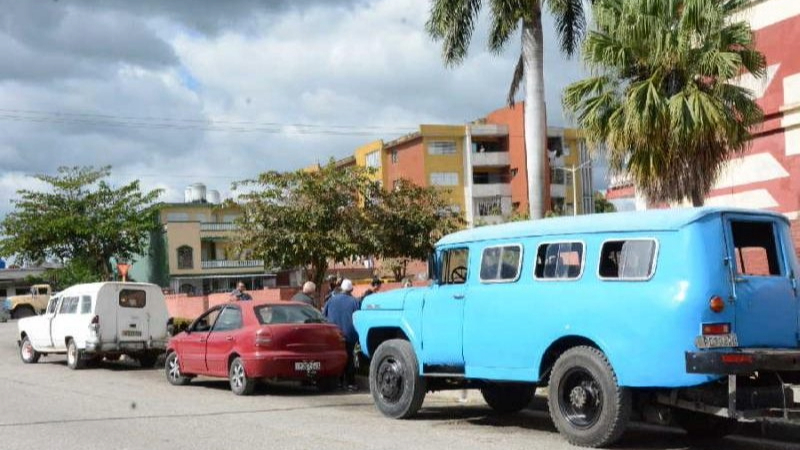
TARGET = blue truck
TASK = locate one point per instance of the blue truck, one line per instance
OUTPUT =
(685, 316)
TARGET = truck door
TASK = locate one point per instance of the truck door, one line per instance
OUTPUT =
(763, 278)
(43, 338)
(443, 314)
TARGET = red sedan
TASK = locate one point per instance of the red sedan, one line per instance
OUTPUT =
(248, 341)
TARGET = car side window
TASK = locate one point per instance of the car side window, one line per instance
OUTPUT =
(501, 264)
(51, 307)
(206, 321)
(559, 261)
(229, 319)
(633, 259)
(454, 266)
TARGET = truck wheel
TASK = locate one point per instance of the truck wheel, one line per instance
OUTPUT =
(241, 384)
(173, 369)
(22, 311)
(147, 360)
(74, 356)
(704, 426)
(27, 353)
(397, 387)
(508, 398)
(587, 405)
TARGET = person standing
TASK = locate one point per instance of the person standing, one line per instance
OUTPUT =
(239, 293)
(339, 310)
(305, 296)
(374, 287)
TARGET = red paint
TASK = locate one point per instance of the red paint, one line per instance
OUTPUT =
(514, 119)
(410, 163)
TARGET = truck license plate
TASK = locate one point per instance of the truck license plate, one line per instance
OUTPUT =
(307, 366)
(717, 341)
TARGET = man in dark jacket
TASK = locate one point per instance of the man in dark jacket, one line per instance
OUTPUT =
(339, 310)
(374, 287)
(305, 296)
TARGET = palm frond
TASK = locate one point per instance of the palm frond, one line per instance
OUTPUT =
(453, 22)
(516, 81)
(570, 23)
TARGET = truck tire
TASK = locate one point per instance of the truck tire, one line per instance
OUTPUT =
(22, 311)
(587, 405)
(172, 368)
(701, 426)
(394, 380)
(27, 353)
(74, 356)
(508, 398)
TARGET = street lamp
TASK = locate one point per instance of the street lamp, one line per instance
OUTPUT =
(573, 169)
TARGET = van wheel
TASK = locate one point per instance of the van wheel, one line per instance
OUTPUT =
(20, 312)
(394, 380)
(173, 369)
(147, 360)
(241, 384)
(27, 353)
(701, 426)
(508, 398)
(74, 356)
(587, 405)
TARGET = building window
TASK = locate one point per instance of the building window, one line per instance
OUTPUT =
(185, 257)
(489, 206)
(444, 178)
(374, 159)
(501, 264)
(628, 260)
(177, 217)
(556, 175)
(555, 146)
(442, 148)
(394, 156)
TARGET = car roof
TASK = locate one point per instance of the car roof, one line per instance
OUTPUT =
(651, 220)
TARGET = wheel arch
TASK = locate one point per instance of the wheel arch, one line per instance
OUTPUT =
(231, 357)
(378, 335)
(557, 348)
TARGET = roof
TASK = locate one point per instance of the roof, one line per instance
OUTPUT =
(651, 220)
(98, 286)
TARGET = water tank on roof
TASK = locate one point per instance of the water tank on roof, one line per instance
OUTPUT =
(213, 197)
(198, 194)
(187, 195)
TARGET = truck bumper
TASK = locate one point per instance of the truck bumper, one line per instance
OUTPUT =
(743, 361)
(124, 347)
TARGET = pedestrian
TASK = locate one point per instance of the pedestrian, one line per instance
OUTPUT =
(407, 283)
(239, 293)
(374, 287)
(305, 296)
(333, 287)
(339, 310)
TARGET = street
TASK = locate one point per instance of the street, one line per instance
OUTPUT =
(119, 406)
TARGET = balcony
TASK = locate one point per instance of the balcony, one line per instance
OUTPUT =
(232, 264)
(490, 159)
(218, 226)
(491, 189)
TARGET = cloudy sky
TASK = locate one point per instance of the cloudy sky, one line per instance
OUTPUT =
(180, 91)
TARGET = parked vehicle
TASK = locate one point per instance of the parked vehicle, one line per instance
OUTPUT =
(683, 316)
(26, 305)
(249, 341)
(92, 321)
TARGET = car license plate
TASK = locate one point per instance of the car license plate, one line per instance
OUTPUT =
(307, 366)
(717, 341)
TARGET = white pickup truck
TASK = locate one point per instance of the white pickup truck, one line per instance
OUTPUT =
(92, 321)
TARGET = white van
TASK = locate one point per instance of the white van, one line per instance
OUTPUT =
(92, 321)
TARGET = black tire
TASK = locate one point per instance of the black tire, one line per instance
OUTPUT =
(327, 384)
(22, 311)
(701, 426)
(508, 398)
(147, 360)
(26, 352)
(241, 384)
(394, 380)
(172, 369)
(75, 359)
(587, 405)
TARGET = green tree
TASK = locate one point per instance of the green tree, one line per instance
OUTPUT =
(79, 217)
(663, 96)
(453, 22)
(601, 203)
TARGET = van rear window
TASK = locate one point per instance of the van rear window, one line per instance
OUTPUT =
(132, 298)
(756, 249)
(628, 260)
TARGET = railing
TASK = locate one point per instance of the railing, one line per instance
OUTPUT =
(232, 264)
(490, 159)
(218, 226)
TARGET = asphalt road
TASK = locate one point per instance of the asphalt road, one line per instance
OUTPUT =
(119, 406)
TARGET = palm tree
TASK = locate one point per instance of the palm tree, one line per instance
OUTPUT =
(453, 22)
(663, 96)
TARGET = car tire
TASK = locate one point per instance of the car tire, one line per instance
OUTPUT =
(508, 398)
(147, 360)
(27, 352)
(241, 384)
(394, 380)
(327, 384)
(699, 426)
(74, 356)
(172, 369)
(587, 405)
(21, 312)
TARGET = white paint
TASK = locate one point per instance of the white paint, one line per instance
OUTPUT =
(791, 88)
(758, 199)
(755, 85)
(750, 169)
(792, 141)
(770, 12)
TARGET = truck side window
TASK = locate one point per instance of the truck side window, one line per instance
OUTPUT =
(500, 263)
(69, 305)
(51, 307)
(86, 304)
(628, 259)
(454, 266)
(756, 249)
(559, 261)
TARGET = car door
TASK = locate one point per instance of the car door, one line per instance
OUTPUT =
(192, 351)
(222, 339)
(63, 322)
(443, 314)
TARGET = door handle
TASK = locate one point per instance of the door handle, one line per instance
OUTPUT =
(458, 296)
(229, 338)
(740, 280)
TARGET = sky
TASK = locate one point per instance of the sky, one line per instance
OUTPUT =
(182, 91)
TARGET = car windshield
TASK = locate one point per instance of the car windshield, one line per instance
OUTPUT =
(275, 314)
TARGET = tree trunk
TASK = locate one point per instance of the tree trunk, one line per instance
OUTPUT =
(535, 114)
(698, 199)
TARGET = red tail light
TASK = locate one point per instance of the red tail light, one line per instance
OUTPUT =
(263, 338)
(735, 358)
(716, 328)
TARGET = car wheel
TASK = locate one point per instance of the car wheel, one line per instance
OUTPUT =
(27, 353)
(508, 398)
(241, 384)
(147, 360)
(74, 356)
(20, 312)
(701, 426)
(394, 380)
(172, 368)
(587, 405)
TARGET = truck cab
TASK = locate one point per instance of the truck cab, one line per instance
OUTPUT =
(26, 305)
